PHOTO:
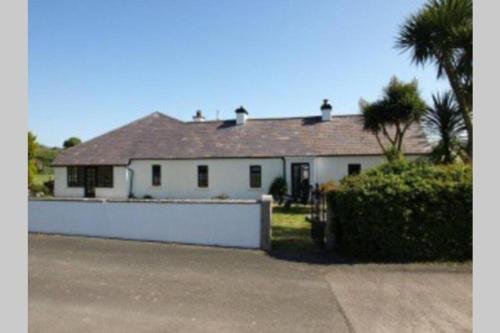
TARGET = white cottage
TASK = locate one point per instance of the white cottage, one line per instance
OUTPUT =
(161, 157)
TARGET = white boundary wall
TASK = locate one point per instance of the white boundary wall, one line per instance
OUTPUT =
(226, 223)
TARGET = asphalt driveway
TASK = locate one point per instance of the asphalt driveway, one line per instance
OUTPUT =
(81, 284)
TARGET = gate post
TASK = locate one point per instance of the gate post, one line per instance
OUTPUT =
(266, 212)
(329, 235)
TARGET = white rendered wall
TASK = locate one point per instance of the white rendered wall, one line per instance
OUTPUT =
(120, 187)
(61, 188)
(323, 169)
(336, 168)
(225, 224)
(179, 178)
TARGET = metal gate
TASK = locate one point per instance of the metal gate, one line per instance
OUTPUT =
(318, 215)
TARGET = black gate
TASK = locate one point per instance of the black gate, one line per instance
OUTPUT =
(318, 215)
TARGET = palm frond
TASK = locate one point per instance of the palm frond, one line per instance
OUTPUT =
(444, 120)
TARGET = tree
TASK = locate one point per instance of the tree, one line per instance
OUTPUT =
(32, 146)
(392, 115)
(73, 141)
(441, 33)
(444, 119)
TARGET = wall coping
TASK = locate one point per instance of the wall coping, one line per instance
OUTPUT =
(153, 201)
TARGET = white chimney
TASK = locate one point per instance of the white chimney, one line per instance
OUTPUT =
(241, 116)
(198, 117)
(326, 111)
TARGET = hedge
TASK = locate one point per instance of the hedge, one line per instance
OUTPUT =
(405, 211)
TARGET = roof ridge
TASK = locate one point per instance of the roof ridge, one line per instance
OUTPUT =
(274, 118)
(164, 115)
(304, 117)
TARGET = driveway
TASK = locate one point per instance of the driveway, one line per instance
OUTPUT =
(81, 284)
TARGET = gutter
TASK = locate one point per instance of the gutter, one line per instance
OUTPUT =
(284, 167)
(131, 181)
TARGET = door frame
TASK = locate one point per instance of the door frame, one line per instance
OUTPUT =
(297, 192)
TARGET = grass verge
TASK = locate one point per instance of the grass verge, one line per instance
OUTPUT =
(290, 230)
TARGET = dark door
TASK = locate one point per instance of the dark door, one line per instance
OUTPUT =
(90, 181)
(300, 181)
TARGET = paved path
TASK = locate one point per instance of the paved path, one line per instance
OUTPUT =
(96, 285)
(404, 298)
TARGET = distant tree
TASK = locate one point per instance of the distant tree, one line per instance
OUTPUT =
(445, 120)
(45, 156)
(73, 141)
(441, 33)
(391, 116)
(32, 147)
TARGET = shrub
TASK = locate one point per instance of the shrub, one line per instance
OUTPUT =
(278, 189)
(49, 185)
(39, 190)
(405, 211)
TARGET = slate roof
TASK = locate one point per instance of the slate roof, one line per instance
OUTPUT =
(159, 136)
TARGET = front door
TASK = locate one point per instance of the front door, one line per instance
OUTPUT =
(300, 181)
(90, 181)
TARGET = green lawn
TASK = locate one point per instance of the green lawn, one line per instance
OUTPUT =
(290, 230)
(39, 179)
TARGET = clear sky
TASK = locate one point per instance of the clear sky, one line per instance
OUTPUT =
(95, 65)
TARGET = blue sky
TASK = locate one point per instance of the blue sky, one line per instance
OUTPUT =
(95, 65)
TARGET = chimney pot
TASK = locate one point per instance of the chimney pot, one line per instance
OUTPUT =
(326, 111)
(241, 115)
(198, 117)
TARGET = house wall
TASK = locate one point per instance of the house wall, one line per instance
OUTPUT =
(179, 178)
(61, 188)
(324, 169)
(119, 189)
(336, 168)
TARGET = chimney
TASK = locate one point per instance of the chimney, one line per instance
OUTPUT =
(198, 117)
(241, 116)
(326, 111)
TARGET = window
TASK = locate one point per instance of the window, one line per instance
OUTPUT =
(156, 172)
(75, 176)
(255, 176)
(104, 176)
(202, 175)
(354, 169)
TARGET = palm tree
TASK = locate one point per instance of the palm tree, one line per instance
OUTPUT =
(390, 117)
(445, 120)
(441, 33)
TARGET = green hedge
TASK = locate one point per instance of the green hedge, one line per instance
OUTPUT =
(405, 212)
